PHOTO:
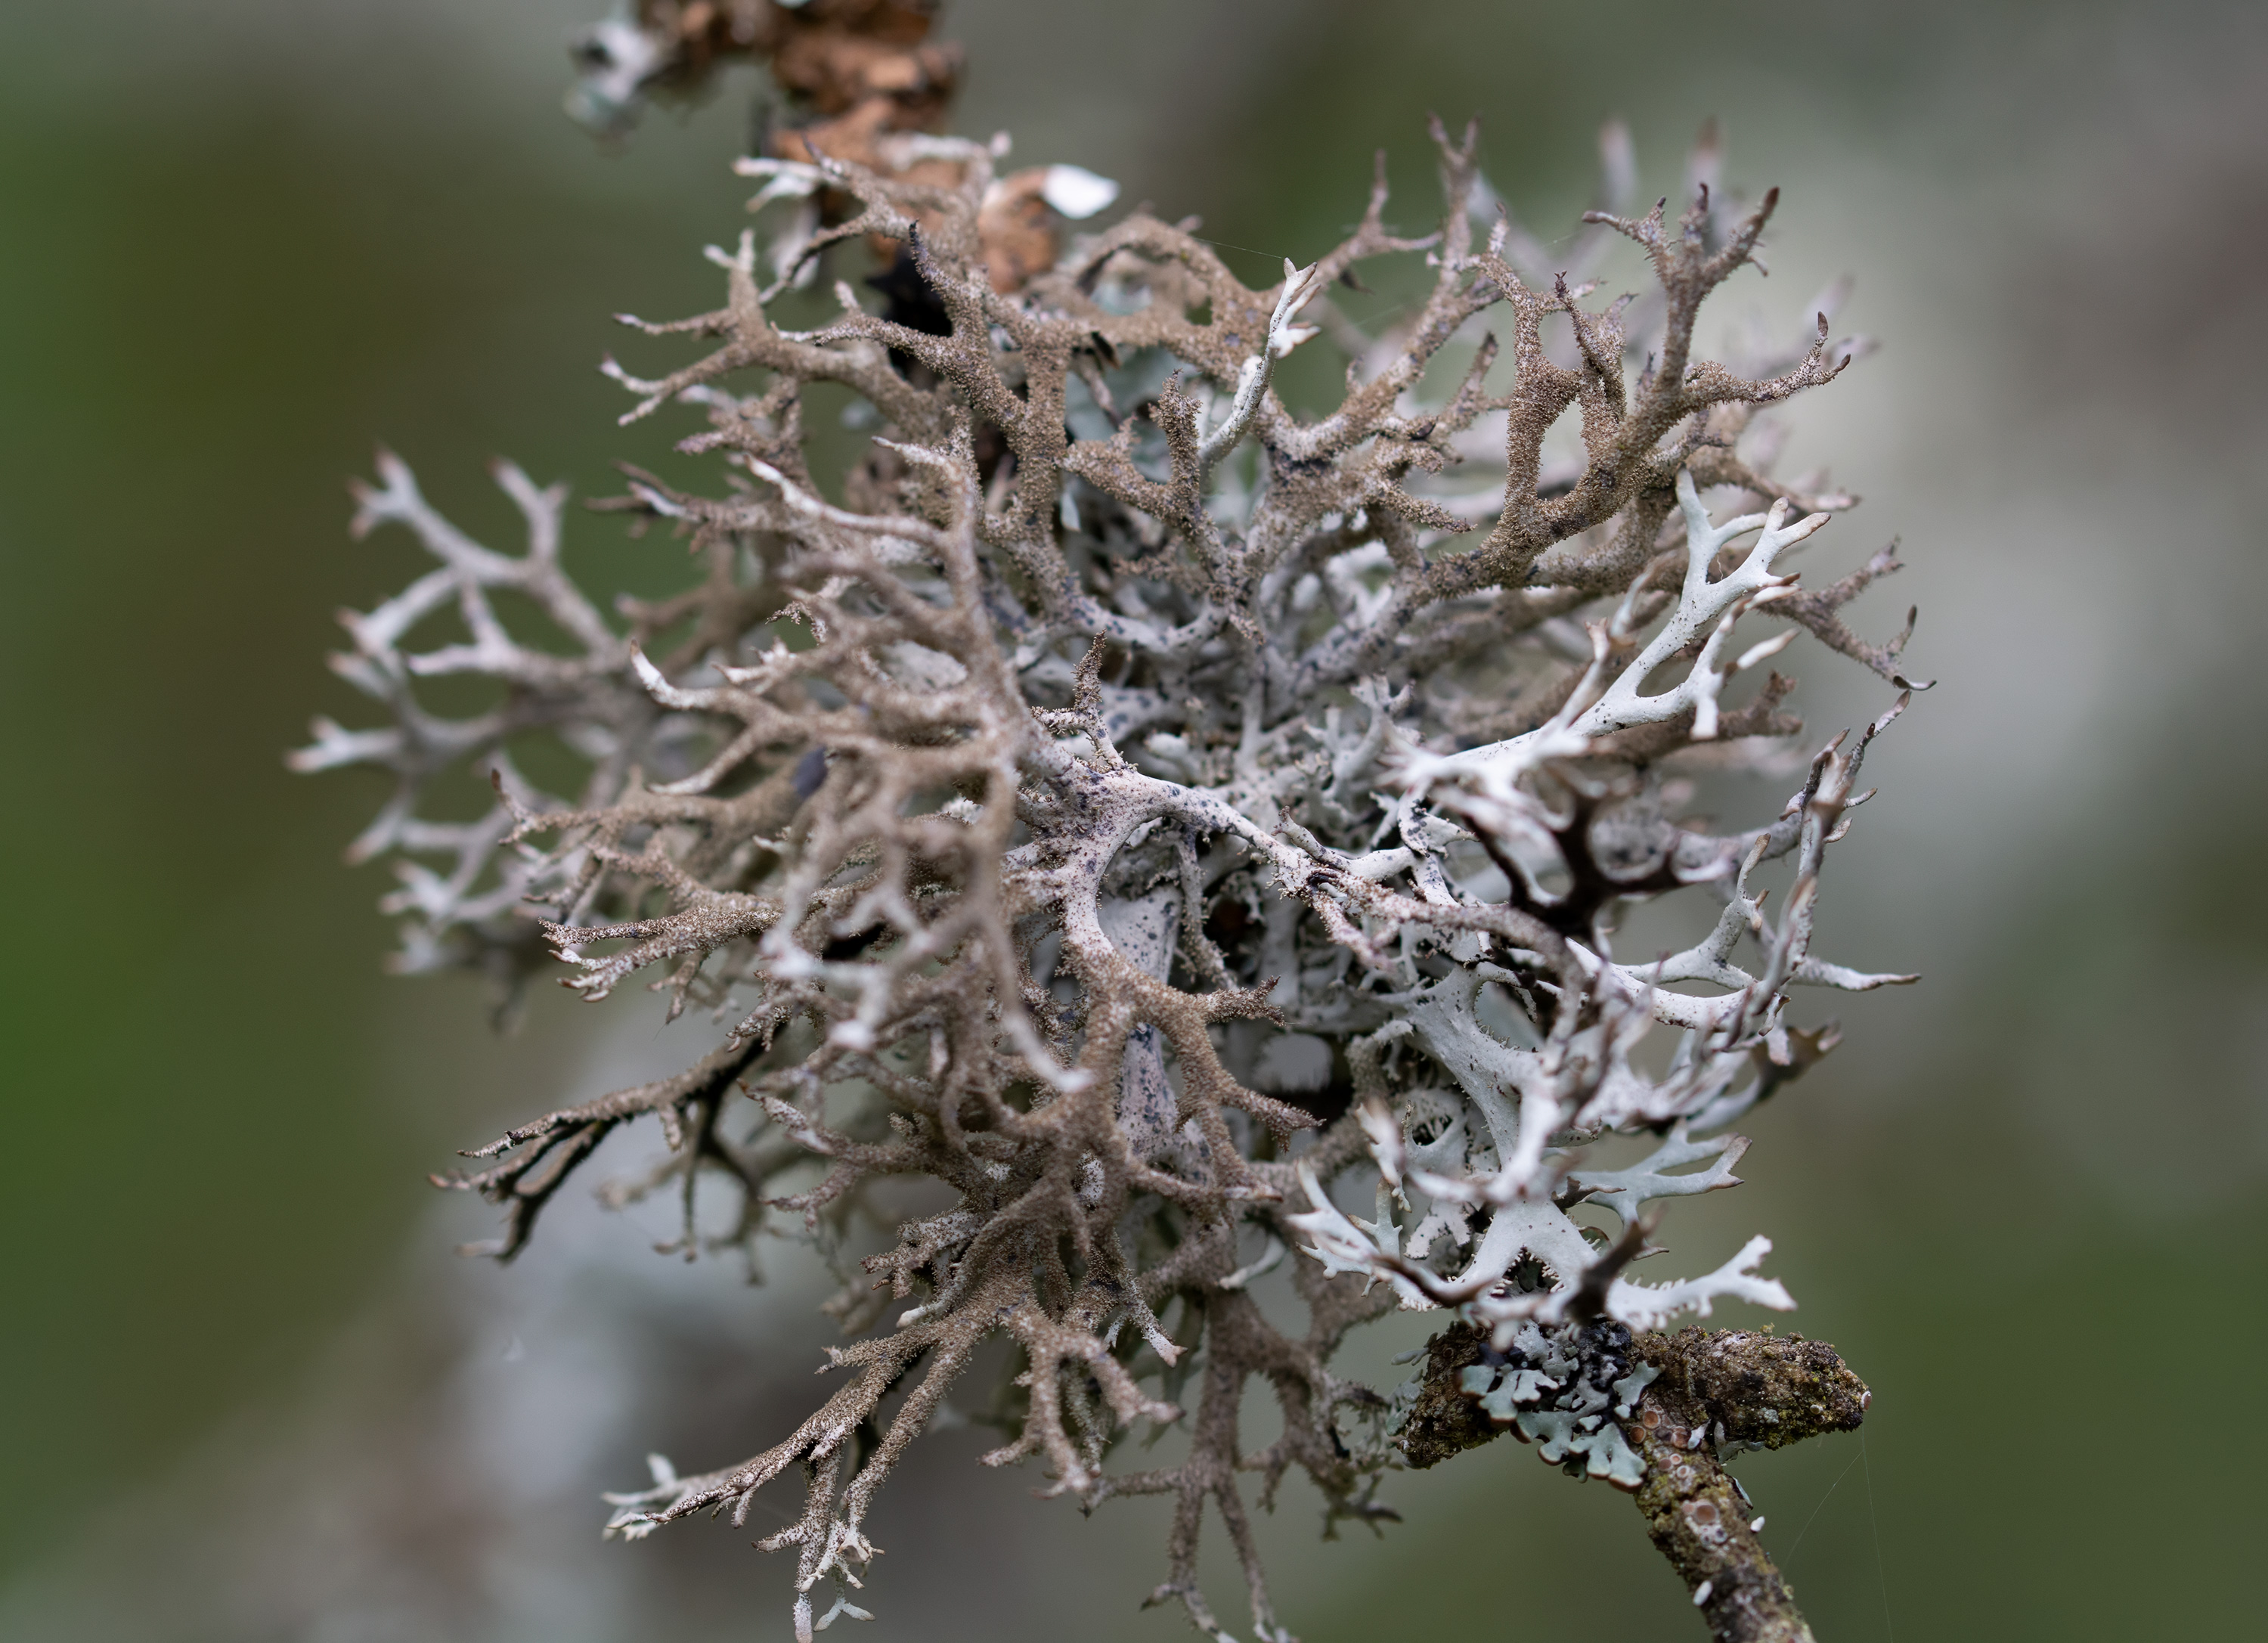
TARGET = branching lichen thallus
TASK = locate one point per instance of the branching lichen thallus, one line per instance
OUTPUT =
(1162, 820)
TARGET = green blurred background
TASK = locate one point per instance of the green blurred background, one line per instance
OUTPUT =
(245, 1391)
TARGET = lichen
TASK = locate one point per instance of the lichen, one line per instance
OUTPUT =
(1565, 1391)
(1150, 813)
(1687, 1402)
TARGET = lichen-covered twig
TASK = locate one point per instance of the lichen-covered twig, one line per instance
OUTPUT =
(1190, 831)
(1686, 1401)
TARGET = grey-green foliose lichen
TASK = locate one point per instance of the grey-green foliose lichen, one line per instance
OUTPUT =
(1655, 1414)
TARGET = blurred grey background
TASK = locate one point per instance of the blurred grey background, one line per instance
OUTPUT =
(246, 1393)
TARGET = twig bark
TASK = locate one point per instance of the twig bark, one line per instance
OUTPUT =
(1714, 1392)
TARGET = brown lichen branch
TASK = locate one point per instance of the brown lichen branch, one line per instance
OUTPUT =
(853, 68)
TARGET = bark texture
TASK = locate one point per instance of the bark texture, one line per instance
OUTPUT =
(1446, 1420)
(1716, 1392)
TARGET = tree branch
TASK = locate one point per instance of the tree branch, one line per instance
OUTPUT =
(1710, 1393)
